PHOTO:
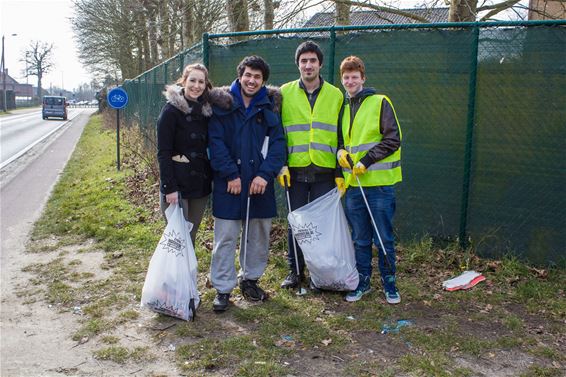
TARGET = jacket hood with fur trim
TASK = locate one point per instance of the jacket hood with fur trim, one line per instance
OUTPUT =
(224, 102)
(217, 96)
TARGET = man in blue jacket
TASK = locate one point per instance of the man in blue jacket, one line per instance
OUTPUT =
(247, 150)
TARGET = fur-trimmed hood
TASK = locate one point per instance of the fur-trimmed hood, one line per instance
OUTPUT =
(221, 97)
(217, 96)
(275, 93)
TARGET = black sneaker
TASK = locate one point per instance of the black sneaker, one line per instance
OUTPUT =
(291, 281)
(221, 301)
(251, 291)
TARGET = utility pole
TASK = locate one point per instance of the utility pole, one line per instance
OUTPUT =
(4, 107)
(27, 69)
(3, 64)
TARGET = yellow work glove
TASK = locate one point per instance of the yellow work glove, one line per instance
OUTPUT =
(341, 185)
(343, 158)
(284, 172)
(359, 169)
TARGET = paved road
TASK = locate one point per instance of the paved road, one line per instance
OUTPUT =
(21, 131)
(25, 328)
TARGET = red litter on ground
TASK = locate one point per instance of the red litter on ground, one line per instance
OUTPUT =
(464, 281)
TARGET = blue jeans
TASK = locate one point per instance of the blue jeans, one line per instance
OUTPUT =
(381, 200)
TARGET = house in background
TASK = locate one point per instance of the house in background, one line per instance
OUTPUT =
(377, 17)
(14, 91)
(547, 10)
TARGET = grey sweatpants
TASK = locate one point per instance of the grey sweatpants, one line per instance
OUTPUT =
(226, 234)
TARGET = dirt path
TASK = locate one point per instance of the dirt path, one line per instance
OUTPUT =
(35, 338)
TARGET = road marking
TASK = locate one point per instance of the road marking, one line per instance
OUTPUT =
(8, 118)
(26, 149)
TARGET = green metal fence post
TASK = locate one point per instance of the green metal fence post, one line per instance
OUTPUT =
(471, 120)
(140, 103)
(165, 72)
(331, 55)
(205, 50)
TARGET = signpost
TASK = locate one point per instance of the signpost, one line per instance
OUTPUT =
(117, 98)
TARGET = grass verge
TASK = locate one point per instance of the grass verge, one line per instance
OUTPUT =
(518, 312)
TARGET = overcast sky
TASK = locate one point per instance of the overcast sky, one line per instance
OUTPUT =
(48, 21)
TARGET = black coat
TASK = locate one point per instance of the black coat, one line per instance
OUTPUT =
(182, 130)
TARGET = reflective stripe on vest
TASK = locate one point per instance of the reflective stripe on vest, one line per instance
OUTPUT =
(312, 135)
(365, 134)
(378, 166)
(314, 146)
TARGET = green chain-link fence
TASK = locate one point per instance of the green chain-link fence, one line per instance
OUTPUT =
(482, 107)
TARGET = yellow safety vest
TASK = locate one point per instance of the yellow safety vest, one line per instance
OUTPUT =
(364, 135)
(311, 135)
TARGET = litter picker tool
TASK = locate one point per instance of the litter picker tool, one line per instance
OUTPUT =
(369, 210)
(246, 227)
(192, 301)
(300, 290)
(245, 249)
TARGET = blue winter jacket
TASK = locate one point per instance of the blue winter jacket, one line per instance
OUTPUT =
(236, 139)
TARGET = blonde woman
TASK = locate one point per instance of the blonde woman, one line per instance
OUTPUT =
(182, 140)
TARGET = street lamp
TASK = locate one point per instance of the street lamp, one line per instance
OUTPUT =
(27, 58)
(3, 63)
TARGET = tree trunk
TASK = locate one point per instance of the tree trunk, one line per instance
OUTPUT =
(147, 59)
(142, 42)
(171, 18)
(238, 19)
(39, 77)
(342, 13)
(187, 11)
(463, 11)
(150, 7)
(268, 14)
(163, 40)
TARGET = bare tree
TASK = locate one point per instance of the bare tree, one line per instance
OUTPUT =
(294, 13)
(238, 19)
(468, 10)
(38, 58)
(462, 11)
(143, 53)
(163, 11)
(368, 5)
(495, 8)
(188, 18)
(269, 14)
(106, 33)
(199, 16)
(150, 7)
(342, 13)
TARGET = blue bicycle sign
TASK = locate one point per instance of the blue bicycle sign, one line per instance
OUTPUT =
(117, 98)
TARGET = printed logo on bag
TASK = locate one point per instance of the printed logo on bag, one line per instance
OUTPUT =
(173, 243)
(166, 308)
(307, 233)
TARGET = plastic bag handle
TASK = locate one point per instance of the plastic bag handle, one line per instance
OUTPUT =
(349, 159)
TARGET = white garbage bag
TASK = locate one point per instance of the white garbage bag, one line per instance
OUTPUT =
(170, 285)
(321, 230)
